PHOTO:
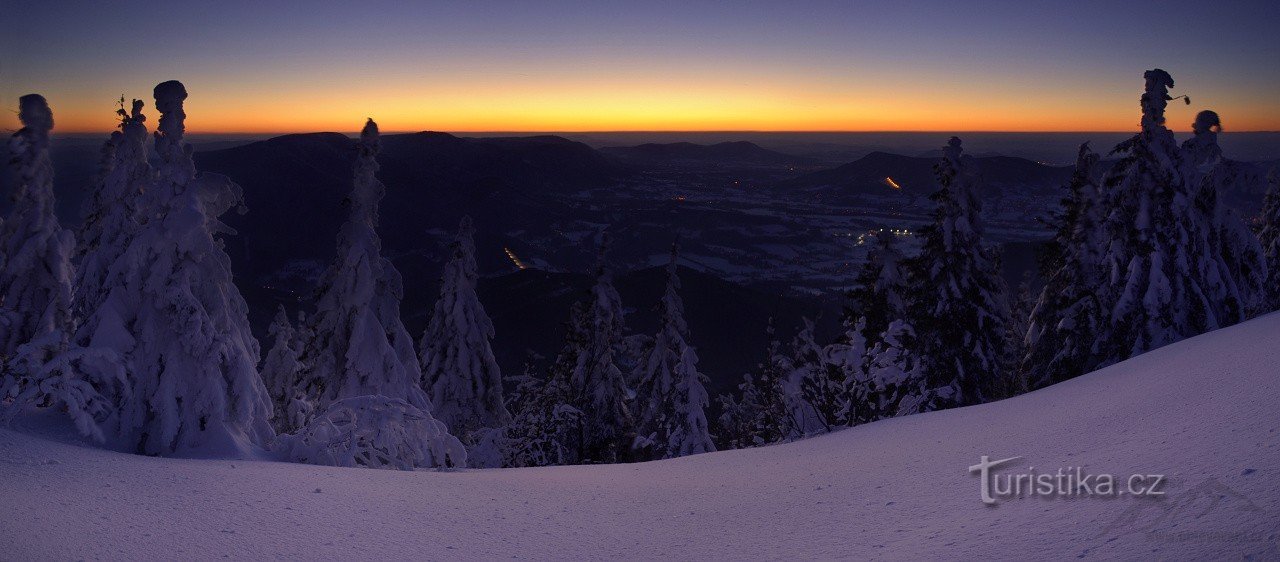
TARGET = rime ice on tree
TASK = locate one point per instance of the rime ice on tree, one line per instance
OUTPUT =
(1270, 239)
(1177, 263)
(1235, 269)
(891, 372)
(671, 397)
(113, 212)
(39, 365)
(580, 414)
(360, 365)
(1068, 315)
(547, 430)
(815, 386)
(959, 310)
(596, 379)
(280, 373)
(174, 319)
(35, 283)
(879, 297)
(459, 370)
(761, 415)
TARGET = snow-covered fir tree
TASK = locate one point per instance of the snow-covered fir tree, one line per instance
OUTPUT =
(671, 399)
(866, 359)
(113, 212)
(174, 318)
(879, 295)
(459, 371)
(1237, 269)
(280, 372)
(1068, 314)
(850, 355)
(1145, 280)
(581, 414)
(359, 363)
(358, 344)
(893, 385)
(958, 308)
(815, 387)
(761, 414)
(1269, 237)
(548, 427)
(35, 280)
(37, 365)
(600, 389)
(1177, 264)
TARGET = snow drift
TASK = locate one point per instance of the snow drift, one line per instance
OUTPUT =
(1201, 412)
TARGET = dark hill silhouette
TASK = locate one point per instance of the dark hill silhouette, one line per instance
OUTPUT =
(295, 186)
(915, 175)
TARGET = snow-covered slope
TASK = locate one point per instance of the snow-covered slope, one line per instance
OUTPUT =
(1202, 412)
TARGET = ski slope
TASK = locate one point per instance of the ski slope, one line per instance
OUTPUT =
(1202, 412)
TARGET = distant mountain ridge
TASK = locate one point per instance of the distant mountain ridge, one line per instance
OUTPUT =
(295, 187)
(914, 175)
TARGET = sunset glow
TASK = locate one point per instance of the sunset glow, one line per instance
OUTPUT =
(504, 67)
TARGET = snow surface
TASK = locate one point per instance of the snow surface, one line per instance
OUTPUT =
(1202, 412)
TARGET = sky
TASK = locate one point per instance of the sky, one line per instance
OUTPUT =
(931, 65)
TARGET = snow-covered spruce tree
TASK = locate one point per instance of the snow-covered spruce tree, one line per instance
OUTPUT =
(1176, 265)
(580, 415)
(1237, 269)
(958, 308)
(459, 371)
(175, 319)
(37, 365)
(1270, 239)
(600, 391)
(548, 426)
(113, 213)
(877, 311)
(35, 281)
(761, 415)
(879, 295)
(1145, 281)
(1068, 315)
(280, 372)
(671, 399)
(816, 385)
(851, 354)
(893, 386)
(361, 375)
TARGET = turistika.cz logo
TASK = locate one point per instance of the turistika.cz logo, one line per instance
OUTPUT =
(1066, 482)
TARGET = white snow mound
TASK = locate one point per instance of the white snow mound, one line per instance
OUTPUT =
(1202, 412)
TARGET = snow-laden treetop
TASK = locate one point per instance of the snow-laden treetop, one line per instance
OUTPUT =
(30, 145)
(1155, 99)
(368, 191)
(953, 151)
(1203, 147)
(1086, 157)
(36, 117)
(179, 168)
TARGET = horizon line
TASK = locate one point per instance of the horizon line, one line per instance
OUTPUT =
(670, 131)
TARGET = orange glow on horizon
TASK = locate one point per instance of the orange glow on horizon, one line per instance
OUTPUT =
(636, 106)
